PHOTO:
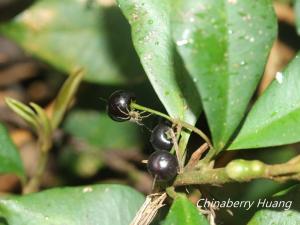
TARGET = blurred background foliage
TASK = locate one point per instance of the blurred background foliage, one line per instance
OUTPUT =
(40, 45)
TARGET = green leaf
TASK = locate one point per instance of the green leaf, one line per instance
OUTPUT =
(97, 205)
(10, 161)
(275, 117)
(280, 215)
(184, 212)
(24, 111)
(98, 130)
(68, 34)
(65, 96)
(43, 120)
(151, 33)
(224, 45)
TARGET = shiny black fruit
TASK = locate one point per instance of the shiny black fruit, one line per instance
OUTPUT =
(118, 106)
(162, 165)
(160, 137)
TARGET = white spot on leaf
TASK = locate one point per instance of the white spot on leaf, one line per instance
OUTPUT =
(185, 38)
(192, 19)
(182, 42)
(37, 20)
(87, 189)
(279, 77)
(233, 2)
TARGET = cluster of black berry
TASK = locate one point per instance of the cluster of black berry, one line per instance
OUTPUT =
(161, 164)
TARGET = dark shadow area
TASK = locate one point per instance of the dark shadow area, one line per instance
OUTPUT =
(288, 35)
(10, 8)
(186, 83)
(120, 44)
(3, 221)
(238, 128)
(195, 141)
(94, 96)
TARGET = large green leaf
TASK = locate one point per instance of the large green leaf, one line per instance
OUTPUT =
(151, 32)
(184, 212)
(10, 161)
(268, 217)
(275, 117)
(98, 130)
(224, 45)
(287, 214)
(97, 205)
(69, 33)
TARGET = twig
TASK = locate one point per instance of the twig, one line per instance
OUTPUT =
(176, 147)
(149, 209)
(196, 157)
(245, 170)
(34, 183)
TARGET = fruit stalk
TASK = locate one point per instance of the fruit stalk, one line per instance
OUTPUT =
(186, 125)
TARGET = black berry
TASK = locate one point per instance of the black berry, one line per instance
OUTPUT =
(160, 137)
(118, 107)
(162, 165)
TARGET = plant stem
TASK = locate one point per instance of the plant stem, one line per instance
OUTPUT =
(176, 147)
(34, 183)
(213, 176)
(152, 111)
(172, 193)
(283, 169)
(195, 157)
(209, 156)
(44, 145)
(47, 126)
(182, 147)
(174, 121)
(278, 172)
